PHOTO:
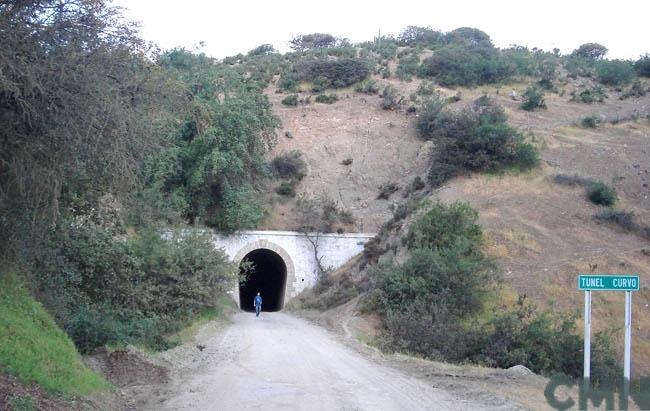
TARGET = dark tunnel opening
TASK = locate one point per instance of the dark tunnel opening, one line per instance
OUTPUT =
(268, 276)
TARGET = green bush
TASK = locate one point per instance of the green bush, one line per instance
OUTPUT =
(368, 86)
(320, 84)
(623, 219)
(590, 122)
(429, 119)
(102, 289)
(533, 99)
(287, 188)
(601, 194)
(262, 50)
(314, 41)
(290, 100)
(289, 165)
(421, 36)
(467, 65)
(642, 66)
(418, 184)
(477, 139)
(326, 98)
(443, 226)
(593, 51)
(390, 98)
(615, 72)
(337, 73)
(386, 190)
(588, 96)
(433, 305)
(288, 83)
(635, 90)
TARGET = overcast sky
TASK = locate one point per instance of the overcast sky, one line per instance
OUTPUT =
(236, 26)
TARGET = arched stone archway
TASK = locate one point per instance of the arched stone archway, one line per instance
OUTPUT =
(254, 248)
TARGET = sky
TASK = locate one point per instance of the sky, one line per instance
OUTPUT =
(237, 26)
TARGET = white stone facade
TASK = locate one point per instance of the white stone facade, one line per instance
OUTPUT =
(296, 251)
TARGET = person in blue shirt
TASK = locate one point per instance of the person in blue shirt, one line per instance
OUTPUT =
(257, 303)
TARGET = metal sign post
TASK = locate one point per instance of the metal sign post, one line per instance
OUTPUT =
(628, 343)
(587, 349)
(600, 282)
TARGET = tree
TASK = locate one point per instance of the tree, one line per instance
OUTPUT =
(642, 66)
(593, 51)
(76, 92)
(262, 50)
(312, 41)
(316, 216)
(426, 36)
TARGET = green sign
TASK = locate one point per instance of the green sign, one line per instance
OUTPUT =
(613, 282)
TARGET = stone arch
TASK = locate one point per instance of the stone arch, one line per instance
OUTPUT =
(268, 245)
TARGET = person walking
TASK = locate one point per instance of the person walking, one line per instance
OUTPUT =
(257, 303)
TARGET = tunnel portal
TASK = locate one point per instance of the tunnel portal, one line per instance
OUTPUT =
(268, 276)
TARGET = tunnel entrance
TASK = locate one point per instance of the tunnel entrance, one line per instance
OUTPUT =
(268, 276)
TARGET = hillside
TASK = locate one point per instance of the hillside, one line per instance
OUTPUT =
(38, 354)
(541, 233)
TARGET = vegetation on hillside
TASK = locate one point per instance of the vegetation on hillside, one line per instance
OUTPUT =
(476, 139)
(105, 145)
(110, 149)
(34, 349)
(440, 303)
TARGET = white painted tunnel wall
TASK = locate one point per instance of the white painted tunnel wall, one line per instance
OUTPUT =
(336, 250)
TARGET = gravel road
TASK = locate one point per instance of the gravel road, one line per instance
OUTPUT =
(280, 362)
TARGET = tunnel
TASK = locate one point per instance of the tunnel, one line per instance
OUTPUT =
(268, 276)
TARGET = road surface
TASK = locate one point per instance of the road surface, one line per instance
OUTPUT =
(280, 362)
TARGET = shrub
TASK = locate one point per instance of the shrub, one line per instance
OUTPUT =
(290, 100)
(106, 290)
(588, 96)
(386, 190)
(572, 180)
(385, 73)
(288, 83)
(326, 98)
(407, 66)
(263, 50)
(428, 122)
(320, 84)
(614, 72)
(593, 51)
(334, 73)
(642, 66)
(433, 304)
(474, 140)
(287, 188)
(455, 98)
(624, 219)
(390, 99)
(314, 41)
(445, 225)
(421, 36)
(601, 194)
(533, 99)
(426, 88)
(590, 122)
(367, 86)
(289, 165)
(466, 65)
(636, 90)
(417, 184)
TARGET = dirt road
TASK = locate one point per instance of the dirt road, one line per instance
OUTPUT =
(280, 362)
